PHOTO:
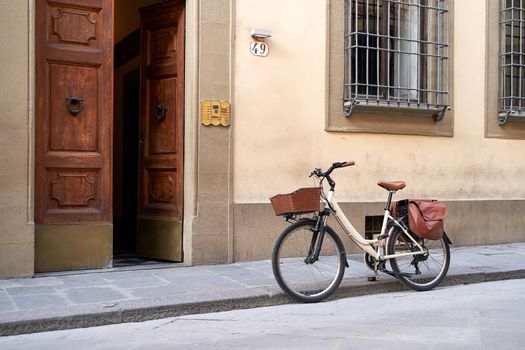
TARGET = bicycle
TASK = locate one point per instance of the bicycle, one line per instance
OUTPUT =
(309, 258)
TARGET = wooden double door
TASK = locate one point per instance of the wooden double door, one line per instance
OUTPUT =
(74, 123)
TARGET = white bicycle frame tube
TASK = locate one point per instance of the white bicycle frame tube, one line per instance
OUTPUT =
(368, 245)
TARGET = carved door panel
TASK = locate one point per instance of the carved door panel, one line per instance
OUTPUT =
(159, 225)
(73, 131)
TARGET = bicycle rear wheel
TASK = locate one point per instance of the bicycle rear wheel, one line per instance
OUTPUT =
(302, 280)
(419, 272)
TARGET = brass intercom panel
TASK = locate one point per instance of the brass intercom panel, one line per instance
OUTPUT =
(225, 113)
(215, 112)
(206, 112)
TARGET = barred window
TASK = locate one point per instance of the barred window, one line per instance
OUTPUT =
(511, 96)
(396, 54)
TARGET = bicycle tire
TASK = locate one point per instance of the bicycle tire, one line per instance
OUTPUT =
(433, 266)
(302, 281)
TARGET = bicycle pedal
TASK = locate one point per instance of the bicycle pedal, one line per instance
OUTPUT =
(373, 279)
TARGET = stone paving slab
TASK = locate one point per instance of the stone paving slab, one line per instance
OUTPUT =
(99, 297)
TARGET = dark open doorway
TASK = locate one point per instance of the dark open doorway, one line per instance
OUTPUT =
(124, 230)
(126, 130)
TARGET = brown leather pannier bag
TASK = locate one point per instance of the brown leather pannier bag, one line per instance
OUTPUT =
(425, 218)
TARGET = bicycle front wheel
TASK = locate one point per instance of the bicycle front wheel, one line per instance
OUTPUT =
(301, 279)
(419, 272)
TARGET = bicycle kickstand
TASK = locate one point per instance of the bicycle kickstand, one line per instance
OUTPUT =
(374, 278)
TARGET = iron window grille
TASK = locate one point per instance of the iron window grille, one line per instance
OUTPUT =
(511, 63)
(396, 55)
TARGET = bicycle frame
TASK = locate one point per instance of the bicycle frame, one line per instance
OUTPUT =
(376, 246)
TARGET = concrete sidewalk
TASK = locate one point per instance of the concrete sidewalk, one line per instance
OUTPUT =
(99, 297)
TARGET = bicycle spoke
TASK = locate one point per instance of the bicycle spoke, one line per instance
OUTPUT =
(308, 279)
(421, 272)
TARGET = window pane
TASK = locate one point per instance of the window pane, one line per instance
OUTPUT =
(396, 53)
(511, 59)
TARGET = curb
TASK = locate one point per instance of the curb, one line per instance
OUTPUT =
(349, 288)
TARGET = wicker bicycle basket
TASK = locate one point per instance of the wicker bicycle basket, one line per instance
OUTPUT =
(303, 200)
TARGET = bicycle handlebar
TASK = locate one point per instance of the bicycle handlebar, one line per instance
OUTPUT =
(326, 175)
(337, 165)
(343, 164)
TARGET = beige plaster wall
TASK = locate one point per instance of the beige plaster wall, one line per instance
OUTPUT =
(280, 108)
(16, 122)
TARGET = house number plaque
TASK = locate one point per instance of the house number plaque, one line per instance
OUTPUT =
(259, 48)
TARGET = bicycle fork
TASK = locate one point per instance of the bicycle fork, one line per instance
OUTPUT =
(317, 238)
(316, 242)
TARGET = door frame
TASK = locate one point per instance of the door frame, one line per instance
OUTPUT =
(191, 125)
(191, 122)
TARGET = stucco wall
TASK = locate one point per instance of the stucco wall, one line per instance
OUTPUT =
(277, 133)
(280, 106)
(16, 226)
